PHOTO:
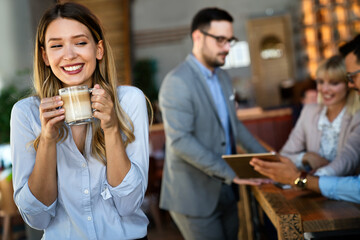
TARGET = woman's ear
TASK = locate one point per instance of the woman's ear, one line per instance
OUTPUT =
(100, 50)
(44, 56)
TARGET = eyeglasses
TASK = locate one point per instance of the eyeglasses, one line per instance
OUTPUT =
(349, 76)
(221, 40)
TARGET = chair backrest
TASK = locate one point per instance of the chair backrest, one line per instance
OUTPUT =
(7, 204)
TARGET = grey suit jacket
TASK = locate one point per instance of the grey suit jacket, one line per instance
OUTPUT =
(306, 137)
(195, 140)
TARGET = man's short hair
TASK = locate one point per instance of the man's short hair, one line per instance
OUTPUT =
(203, 18)
(352, 46)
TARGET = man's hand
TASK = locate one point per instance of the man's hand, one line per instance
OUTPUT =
(251, 181)
(284, 171)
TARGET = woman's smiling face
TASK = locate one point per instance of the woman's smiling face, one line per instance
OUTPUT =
(71, 52)
(333, 92)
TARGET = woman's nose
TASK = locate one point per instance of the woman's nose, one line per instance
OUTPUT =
(325, 87)
(69, 53)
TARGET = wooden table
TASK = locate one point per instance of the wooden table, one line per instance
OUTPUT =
(294, 212)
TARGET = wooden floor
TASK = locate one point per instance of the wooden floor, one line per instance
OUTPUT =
(167, 230)
(166, 234)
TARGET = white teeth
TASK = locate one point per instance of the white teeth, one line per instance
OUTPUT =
(72, 68)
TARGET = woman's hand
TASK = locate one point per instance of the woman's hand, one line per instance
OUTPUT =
(314, 160)
(51, 117)
(284, 171)
(104, 108)
(251, 181)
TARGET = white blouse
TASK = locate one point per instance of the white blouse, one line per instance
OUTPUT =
(330, 132)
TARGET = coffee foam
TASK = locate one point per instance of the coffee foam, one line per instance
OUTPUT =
(77, 105)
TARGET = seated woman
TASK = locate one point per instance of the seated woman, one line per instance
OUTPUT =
(326, 136)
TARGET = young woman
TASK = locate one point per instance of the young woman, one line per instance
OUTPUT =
(326, 137)
(81, 181)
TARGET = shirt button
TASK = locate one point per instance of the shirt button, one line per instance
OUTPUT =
(89, 218)
(86, 191)
(83, 165)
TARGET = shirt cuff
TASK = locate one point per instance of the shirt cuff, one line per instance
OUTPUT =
(325, 171)
(327, 186)
(341, 188)
(298, 160)
(131, 181)
(30, 205)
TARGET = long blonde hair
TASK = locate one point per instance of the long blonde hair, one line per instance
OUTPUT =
(46, 84)
(334, 67)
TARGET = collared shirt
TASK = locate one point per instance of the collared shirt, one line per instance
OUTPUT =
(87, 207)
(219, 100)
(341, 188)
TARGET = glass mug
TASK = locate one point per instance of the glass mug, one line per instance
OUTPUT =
(77, 104)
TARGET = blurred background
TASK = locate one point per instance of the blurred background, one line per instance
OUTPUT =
(272, 66)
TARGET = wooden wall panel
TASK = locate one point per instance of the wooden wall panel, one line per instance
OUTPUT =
(269, 73)
(272, 126)
(115, 18)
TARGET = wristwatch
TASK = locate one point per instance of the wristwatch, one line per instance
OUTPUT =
(301, 181)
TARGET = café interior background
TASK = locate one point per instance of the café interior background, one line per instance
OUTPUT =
(159, 35)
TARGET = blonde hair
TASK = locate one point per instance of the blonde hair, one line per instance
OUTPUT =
(46, 84)
(334, 67)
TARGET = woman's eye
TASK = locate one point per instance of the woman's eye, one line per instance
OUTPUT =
(81, 43)
(56, 46)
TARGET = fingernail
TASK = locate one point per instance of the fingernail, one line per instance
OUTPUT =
(57, 98)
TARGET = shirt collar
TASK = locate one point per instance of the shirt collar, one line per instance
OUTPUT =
(204, 70)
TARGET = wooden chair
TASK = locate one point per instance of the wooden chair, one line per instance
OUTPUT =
(153, 193)
(8, 211)
(157, 140)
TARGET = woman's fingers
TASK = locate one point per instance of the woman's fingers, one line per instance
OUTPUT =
(49, 104)
(100, 99)
(54, 113)
(50, 108)
(51, 116)
(103, 107)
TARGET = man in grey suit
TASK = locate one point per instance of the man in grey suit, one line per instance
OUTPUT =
(198, 109)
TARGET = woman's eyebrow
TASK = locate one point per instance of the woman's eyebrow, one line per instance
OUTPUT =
(53, 39)
(80, 35)
(76, 36)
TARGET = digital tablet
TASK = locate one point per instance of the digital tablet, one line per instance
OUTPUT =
(240, 163)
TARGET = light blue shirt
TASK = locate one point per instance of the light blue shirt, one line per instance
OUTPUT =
(87, 207)
(341, 188)
(219, 100)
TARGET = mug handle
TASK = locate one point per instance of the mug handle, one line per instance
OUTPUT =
(90, 91)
